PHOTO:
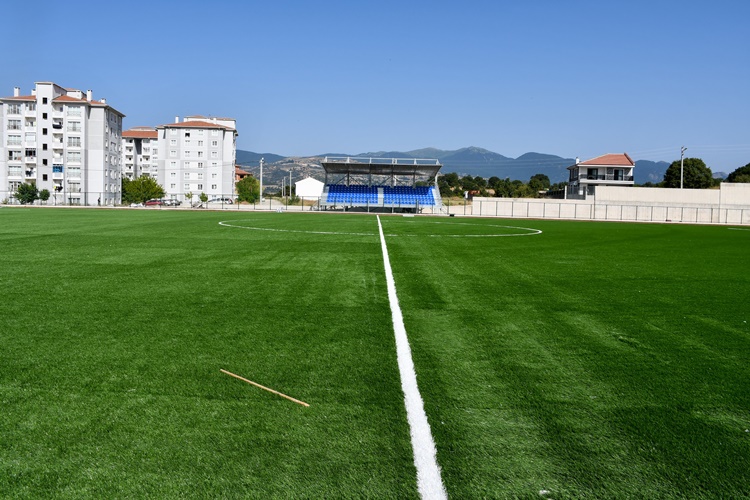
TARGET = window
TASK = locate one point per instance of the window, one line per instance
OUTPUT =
(14, 140)
(31, 153)
(214, 154)
(74, 142)
(14, 171)
(187, 134)
(44, 131)
(57, 169)
(200, 176)
(44, 177)
(200, 131)
(73, 172)
(74, 126)
(172, 186)
(187, 175)
(173, 142)
(214, 143)
(213, 176)
(44, 161)
(44, 148)
(187, 142)
(214, 164)
(31, 106)
(44, 100)
(187, 164)
(74, 156)
(30, 137)
(173, 164)
(200, 143)
(200, 186)
(74, 111)
(172, 153)
(173, 131)
(30, 122)
(213, 186)
(172, 175)
(14, 155)
(14, 109)
(44, 116)
(200, 154)
(215, 133)
(186, 187)
(14, 124)
(187, 153)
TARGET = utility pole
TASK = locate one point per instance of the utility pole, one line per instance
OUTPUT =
(682, 161)
(261, 179)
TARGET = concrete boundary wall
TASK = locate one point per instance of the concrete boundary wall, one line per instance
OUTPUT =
(728, 205)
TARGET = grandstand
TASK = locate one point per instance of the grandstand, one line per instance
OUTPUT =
(381, 184)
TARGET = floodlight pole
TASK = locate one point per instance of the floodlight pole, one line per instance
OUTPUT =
(261, 179)
(682, 162)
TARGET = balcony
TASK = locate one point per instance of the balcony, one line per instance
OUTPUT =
(57, 125)
(30, 159)
(57, 175)
(30, 173)
(607, 178)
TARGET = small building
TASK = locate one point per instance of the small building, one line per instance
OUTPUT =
(240, 174)
(140, 152)
(606, 170)
(309, 188)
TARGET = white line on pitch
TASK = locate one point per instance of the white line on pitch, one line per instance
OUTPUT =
(429, 481)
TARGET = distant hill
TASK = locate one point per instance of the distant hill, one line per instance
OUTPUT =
(251, 159)
(472, 161)
(650, 171)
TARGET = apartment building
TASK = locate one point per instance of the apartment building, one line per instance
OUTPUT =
(197, 155)
(62, 140)
(140, 153)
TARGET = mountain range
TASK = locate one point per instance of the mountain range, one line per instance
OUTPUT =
(465, 161)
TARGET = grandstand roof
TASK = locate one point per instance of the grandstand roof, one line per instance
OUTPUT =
(380, 166)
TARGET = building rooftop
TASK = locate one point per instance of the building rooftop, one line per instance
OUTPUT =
(610, 160)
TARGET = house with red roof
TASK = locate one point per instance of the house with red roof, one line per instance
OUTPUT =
(614, 169)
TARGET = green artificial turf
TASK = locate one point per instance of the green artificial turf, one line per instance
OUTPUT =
(592, 360)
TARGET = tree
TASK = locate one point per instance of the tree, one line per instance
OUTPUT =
(141, 190)
(248, 189)
(189, 196)
(539, 182)
(203, 197)
(44, 195)
(742, 174)
(27, 193)
(696, 175)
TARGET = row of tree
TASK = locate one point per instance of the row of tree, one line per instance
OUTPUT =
(695, 175)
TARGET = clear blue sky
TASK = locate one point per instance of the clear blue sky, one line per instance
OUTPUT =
(571, 78)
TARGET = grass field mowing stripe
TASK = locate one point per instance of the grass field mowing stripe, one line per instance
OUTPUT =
(429, 482)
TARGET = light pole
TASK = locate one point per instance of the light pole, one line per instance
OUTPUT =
(261, 179)
(682, 161)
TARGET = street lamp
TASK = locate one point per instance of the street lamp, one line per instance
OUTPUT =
(682, 158)
(261, 179)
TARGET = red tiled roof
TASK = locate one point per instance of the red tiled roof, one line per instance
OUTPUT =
(67, 98)
(239, 171)
(614, 160)
(194, 124)
(20, 98)
(140, 134)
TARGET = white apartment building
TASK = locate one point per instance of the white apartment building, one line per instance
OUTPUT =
(61, 140)
(197, 155)
(140, 153)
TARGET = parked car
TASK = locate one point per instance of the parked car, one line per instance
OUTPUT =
(136, 205)
(172, 203)
(152, 203)
(220, 200)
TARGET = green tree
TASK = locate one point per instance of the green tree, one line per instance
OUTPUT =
(141, 190)
(742, 174)
(248, 189)
(539, 182)
(44, 195)
(189, 196)
(203, 197)
(27, 193)
(696, 175)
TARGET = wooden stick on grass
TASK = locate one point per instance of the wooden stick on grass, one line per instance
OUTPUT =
(264, 388)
